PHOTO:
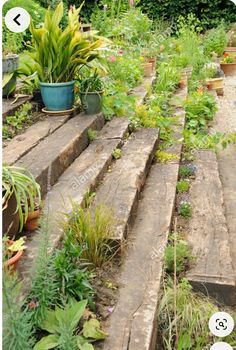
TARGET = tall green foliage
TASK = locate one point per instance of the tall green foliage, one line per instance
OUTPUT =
(60, 53)
(209, 12)
(17, 324)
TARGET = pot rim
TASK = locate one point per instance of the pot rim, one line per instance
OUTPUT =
(15, 257)
(44, 84)
(10, 57)
(92, 93)
(228, 64)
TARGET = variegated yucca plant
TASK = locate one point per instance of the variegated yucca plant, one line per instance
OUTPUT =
(60, 53)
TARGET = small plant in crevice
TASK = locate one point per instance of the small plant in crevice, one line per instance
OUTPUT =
(185, 209)
(92, 230)
(182, 186)
(92, 134)
(187, 171)
(183, 256)
(16, 122)
(165, 157)
(116, 154)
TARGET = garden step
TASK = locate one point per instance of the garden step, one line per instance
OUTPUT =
(9, 108)
(82, 176)
(22, 144)
(141, 91)
(212, 272)
(121, 187)
(133, 324)
(52, 156)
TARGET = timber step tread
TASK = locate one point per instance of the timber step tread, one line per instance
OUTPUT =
(133, 322)
(121, 186)
(208, 234)
(52, 156)
(21, 144)
(82, 176)
(8, 107)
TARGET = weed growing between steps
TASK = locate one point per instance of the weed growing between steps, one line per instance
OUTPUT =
(19, 121)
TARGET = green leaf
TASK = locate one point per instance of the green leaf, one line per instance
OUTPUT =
(91, 329)
(50, 322)
(76, 311)
(6, 79)
(83, 344)
(49, 342)
(17, 245)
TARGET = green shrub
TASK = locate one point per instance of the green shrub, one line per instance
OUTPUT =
(210, 13)
(183, 256)
(72, 272)
(215, 41)
(200, 108)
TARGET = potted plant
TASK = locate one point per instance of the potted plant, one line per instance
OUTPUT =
(59, 54)
(91, 91)
(214, 80)
(32, 220)
(228, 64)
(18, 188)
(10, 61)
(13, 251)
(231, 48)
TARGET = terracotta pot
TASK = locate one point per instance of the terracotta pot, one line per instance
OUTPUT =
(12, 263)
(216, 83)
(228, 68)
(11, 219)
(147, 67)
(32, 221)
(230, 50)
(182, 84)
(153, 61)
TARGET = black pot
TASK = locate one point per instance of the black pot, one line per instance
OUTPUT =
(10, 218)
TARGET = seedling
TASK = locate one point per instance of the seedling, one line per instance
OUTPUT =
(116, 153)
(185, 209)
(92, 134)
(187, 171)
(182, 186)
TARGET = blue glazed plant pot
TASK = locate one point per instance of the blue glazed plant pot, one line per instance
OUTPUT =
(58, 96)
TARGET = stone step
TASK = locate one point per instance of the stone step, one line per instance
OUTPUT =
(208, 235)
(21, 144)
(53, 155)
(121, 187)
(82, 176)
